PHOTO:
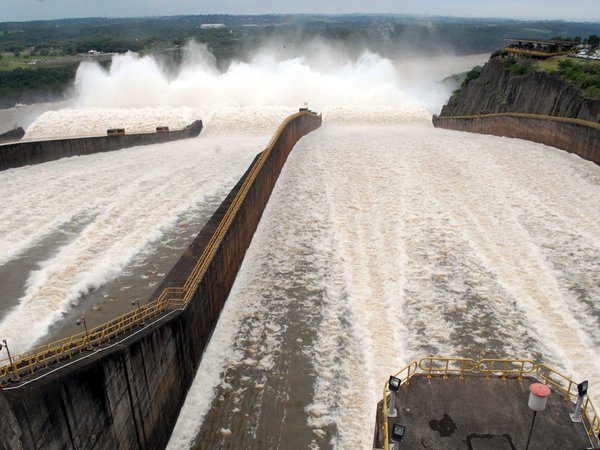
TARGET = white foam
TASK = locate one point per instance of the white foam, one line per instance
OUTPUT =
(95, 121)
(138, 94)
(424, 242)
(134, 81)
(130, 198)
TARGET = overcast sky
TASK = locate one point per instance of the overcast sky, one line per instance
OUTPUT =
(579, 10)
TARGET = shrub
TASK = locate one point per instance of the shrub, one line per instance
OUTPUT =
(523, 66)
(472, 74)
(498, 53)
(584, 76)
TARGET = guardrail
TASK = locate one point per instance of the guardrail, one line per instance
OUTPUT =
(522, 51)
(586, 123)
(89, 135)
(171, 298)
(503, 368)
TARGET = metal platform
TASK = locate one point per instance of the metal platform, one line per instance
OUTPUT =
(478, 411)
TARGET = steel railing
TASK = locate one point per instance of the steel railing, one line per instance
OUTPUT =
(533, 52)
(571, 120)
(171, 298)
(503, 368)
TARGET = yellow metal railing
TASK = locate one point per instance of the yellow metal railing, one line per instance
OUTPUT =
(522, 51)
(503, 368)
(586, 123)
(171, 298)
(41, 357)
(444, 366)
(568, 388)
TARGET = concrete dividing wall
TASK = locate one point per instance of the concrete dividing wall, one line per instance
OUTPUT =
(12, 135)
(574, 136)
(27, 153)
(128, 394)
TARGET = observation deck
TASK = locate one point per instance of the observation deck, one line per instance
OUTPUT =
(539, 48)
(456, 403)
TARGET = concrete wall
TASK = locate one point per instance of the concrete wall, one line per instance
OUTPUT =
(27, 153)
(128, 395)
(13, 135)
(583, 140)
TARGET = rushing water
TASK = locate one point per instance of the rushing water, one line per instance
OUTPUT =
(384, 244)
(90, 235)
(384, 239)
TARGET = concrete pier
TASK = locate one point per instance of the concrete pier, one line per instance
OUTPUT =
(478, 414)
(25, 153)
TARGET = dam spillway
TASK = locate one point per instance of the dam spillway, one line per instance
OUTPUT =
(385, 242)
(131, 390)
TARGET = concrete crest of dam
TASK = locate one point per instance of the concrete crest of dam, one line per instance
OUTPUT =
(22, 153)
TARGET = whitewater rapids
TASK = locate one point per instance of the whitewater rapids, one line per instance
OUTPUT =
(384, 244)
(73, 228)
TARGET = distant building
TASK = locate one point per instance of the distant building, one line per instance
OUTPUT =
(539, 48)
(94, 53)
(212, 26)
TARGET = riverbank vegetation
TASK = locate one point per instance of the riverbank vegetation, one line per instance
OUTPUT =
(582, 73)
(50, 50)
(586, 76)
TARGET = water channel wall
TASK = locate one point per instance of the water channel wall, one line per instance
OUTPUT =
(26, 153)
(573, 135)
(127, 395)
(12, 135)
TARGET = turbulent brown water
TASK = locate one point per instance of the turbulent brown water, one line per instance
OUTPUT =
(384, 239)
(90, 235)
(384, 244)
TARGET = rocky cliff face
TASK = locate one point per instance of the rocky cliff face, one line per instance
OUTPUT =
(498, 90)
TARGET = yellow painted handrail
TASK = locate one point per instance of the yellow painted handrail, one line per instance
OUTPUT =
(503, 368)
(585, 123)
(445, 366)
(534, 52)
(217, 237)
(171, 298)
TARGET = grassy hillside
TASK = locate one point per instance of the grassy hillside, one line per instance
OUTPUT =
(582, 73)
(50, 50)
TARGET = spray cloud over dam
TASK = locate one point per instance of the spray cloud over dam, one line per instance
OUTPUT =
(70, 226)
(138, 91)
